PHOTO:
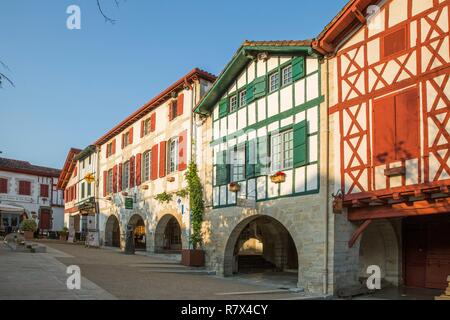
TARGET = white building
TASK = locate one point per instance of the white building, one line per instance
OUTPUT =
(29, 192)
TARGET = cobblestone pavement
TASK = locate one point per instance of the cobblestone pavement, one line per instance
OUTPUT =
(108, 274)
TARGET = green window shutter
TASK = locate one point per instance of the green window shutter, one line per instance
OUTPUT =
(222, 170)
(260, 85)
(223, 108)
(298, 68)
(301, 144)
(250, 158)
(250, 92)
(262, 161)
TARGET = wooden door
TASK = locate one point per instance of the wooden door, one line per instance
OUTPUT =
(415, 238)
(438, 255)
(45, 220)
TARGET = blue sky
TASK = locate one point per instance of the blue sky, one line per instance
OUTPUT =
(72, 86)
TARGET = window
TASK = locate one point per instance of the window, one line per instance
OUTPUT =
(147, 124)
(394, 42)
(274, 81)
(172, 164)
(89, 190)
(237, 165)
(126, 139)
(243, 98)
(126, 175)
(90, 159)
(109, 182)
(146, 165)
(173, 109)
(109, 149)
(44, 190)
(286, 75)
(25, 188)
(396, 128)
(233, 103)
(3, 185)
(282, 150)
(83, 190)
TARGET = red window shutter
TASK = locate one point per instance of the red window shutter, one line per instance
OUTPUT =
(75, 171)
(115, 179)
(154, 164)
(384, 131)
(142, 128)
(153, 123)
(75, 191)
(119, 180)
(170, 111)
(394, 42)
(162, 159)
(114, 147)
(407, 136)
(132, 180)
(138, 169)
(25, 188)
(130, 136)
(180, 104)
(3, 185)
(123, 141)
(182, 154)
(44, 190)
(105, 177)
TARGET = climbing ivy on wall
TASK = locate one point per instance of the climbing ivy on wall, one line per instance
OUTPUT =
(196, 203)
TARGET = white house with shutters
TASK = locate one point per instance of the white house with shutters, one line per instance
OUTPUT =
(262, 141)
(145, 157)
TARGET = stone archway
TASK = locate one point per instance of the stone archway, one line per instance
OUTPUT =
(379, 245)
(112, 232)
(274, 250)
(139, 231)
(168, 234)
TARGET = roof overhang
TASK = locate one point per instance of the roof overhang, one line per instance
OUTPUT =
(67, 170)
(85, 153)
(352, 16)
(245, 54)
(182, 83)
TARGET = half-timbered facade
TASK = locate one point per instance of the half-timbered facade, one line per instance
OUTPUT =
(388, 74)
(262, 156)
(142, 162)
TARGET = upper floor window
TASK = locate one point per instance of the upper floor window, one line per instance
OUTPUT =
(90, 159)
(147, 124)
(282, 150)
(25, 188)
(286, 75)
(237, 165)
(173, 109)
(146, 158)
(83, 190)
(126, 139)
(110, 149)
(3, 185)
(394, 42)
(396, 123)
(172, 164)
(84, 163)
(274, 81)
(89, 189)
(126, 175)
(243, 98)
(44, 192)
(109, 182)
(233, 103)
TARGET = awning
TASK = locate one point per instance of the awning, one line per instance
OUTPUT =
(11, 209)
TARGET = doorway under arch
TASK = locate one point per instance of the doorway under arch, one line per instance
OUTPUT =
(112, 232)
(139, 234)
(260, 244)
(168, 235)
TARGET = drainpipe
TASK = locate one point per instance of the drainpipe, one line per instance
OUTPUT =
(327, 210)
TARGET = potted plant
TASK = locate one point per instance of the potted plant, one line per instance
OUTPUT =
(278, 177)
(63, 234)
(234, 187)
(28, 228)
(194, 257)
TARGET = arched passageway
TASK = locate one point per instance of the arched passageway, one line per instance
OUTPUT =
(139, 234)
(168, 235)
(260, 244)
(112, 232)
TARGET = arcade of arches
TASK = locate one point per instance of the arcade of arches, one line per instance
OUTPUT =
(140, 240)
(168, 235)
(112, 232)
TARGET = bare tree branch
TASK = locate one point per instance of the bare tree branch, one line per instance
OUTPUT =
(4, 77)
(107, 18)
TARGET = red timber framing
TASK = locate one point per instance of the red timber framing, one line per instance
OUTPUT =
(419, 61)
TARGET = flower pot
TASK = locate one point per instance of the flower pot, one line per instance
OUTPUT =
(234, 187)
(63, 237)
(193, 258)
(28, 235)
(145, 187)
(171, 179)
(278, 178)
